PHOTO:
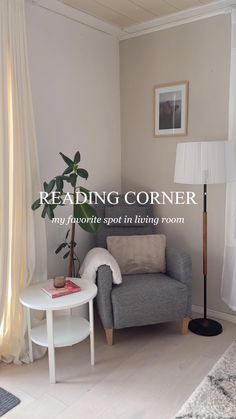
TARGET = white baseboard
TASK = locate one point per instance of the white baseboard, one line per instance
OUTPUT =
(215, 314)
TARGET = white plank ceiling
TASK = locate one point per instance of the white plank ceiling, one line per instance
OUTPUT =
(123, 13)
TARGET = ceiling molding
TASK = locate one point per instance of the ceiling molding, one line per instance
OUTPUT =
(62, 9)
(179, 18)
(165, 22)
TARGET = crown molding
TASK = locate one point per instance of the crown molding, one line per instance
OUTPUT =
(58, 7)
(179, 18)
(175, 19)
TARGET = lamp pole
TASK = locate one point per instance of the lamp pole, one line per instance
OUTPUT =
(205, 326)
(205, 247)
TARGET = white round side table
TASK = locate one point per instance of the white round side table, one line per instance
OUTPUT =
(62, 330)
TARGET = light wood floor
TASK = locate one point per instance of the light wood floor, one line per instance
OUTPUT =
(147, 374)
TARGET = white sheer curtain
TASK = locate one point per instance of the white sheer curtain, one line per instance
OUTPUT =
(22, 231)
(228, 289)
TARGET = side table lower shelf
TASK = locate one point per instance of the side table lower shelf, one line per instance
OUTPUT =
(67, 331)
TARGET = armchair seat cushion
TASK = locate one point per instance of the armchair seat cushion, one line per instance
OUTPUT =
(150, 298)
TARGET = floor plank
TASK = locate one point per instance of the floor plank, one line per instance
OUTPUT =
(147, 374)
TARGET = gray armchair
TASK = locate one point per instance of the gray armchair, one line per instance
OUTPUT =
(141, 299)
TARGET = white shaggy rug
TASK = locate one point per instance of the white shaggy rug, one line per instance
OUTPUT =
(215, 397)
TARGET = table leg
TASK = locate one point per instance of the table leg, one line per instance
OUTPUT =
(29, 335)
(91, 331)
(51, 349)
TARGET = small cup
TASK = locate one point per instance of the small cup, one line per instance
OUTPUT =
(59, 281)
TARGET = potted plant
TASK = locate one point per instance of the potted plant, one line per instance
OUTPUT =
(81, 211)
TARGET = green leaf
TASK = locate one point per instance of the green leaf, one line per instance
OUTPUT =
(66, 159)
(60, 247)
(66, 255)
(50, 212)
(67, 234)
(68, 170)
(51, 185)
(73, 179)
(48, 187)
(43, 215)
(77, 157)
(82, 173)
(59, 183)
(86, 211)
(36, 205)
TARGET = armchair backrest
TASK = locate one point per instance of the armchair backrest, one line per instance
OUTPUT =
(132, 220)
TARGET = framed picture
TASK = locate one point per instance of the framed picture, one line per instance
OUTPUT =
(171, 109)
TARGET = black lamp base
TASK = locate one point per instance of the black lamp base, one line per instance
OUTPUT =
(205, 327)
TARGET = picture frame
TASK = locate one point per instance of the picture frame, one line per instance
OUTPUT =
(171, 109)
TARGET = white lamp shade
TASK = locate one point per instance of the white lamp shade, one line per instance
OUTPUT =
(205, 162)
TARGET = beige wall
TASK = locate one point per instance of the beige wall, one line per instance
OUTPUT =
(198, 52)
(75, 84)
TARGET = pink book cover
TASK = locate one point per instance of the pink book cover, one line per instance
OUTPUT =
(69, 288)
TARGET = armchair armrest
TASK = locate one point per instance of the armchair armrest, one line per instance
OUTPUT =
(179, 267)
(103, 299)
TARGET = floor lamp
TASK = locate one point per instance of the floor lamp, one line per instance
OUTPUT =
(203, 163)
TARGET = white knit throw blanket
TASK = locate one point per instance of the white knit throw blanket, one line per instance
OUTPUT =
(95, 258)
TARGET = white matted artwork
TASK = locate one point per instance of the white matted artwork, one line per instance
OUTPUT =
(171, 109)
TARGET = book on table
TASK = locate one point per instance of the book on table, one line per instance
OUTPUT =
(69, 288)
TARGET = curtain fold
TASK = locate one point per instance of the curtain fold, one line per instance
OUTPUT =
(22, 231)
(228, 288)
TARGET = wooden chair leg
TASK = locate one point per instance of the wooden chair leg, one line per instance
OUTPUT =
(109, 336)
(184, 325)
